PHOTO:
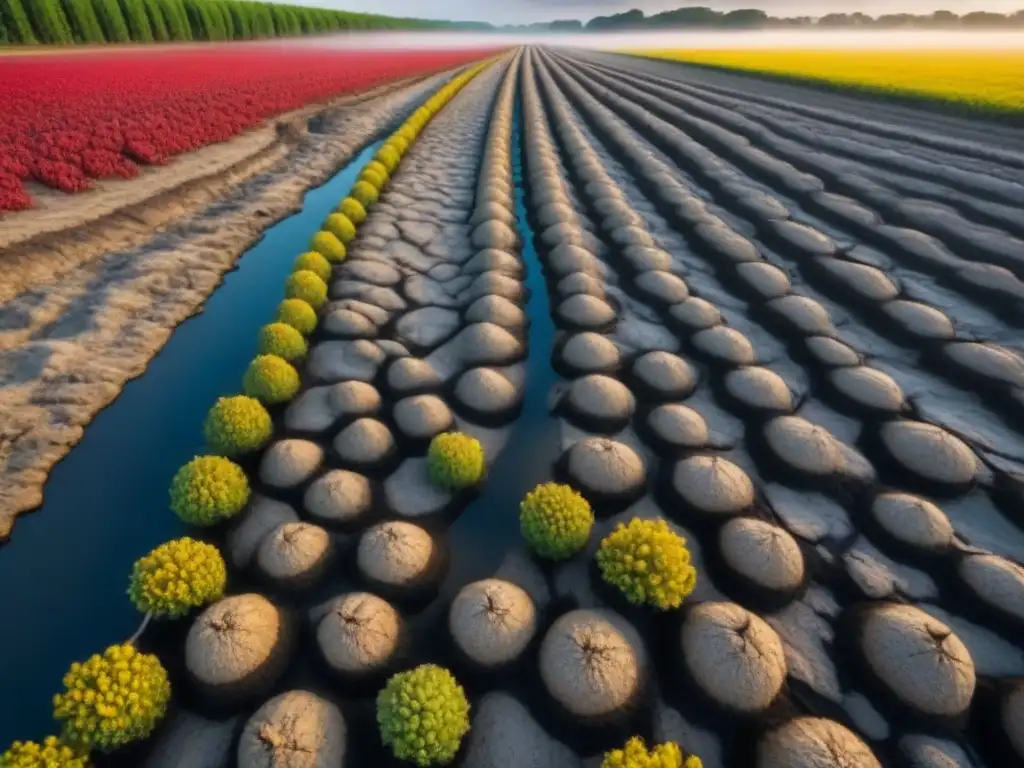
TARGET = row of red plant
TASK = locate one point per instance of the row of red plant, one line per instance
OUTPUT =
(69, 119)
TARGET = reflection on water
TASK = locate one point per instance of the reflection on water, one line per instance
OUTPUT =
(769, 38)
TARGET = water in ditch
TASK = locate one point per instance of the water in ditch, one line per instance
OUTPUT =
(64, 574)
(489, 527)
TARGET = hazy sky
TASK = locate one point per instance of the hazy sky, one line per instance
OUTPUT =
(526, 11)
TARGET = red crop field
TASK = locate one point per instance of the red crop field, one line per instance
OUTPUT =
(70, 119)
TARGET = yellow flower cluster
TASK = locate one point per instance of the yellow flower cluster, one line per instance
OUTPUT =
(341, 227)
(455, 460)
(298, 314)
(209, 489)
(237, 425)
(353, 209)
(271, 379)
(329, 246)
(52, 753)
(282, 340)
(113, 699)
(315, 262)
(305, 285)
(176, 577)
(423, 715)
(636, 755)
(648, 562)
(555, 521)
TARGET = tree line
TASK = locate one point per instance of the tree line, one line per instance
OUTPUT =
(701, 17)
(62, 22)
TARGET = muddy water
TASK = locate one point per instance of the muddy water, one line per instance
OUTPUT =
(63, 578)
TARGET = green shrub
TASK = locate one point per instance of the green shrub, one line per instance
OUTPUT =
(329, 246)
(423, 715)
(138, 22)
(388, 157)
(282, 340)
(209, 489)
(52, 753)
(307, 286)
(648, 562)
(298, 314)
(341, 226)
(271, 379)
(15, 18)
(365, 193)
(636, 755)
(353, 209)
(315, 263)
(84, 24)
(113, 699)
(455, 460)
(156, 21)
(178, 577)
(555, 521)
(111, 18)
(238, 425)
(50, 24)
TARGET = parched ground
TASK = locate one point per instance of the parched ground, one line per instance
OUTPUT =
(94, 284)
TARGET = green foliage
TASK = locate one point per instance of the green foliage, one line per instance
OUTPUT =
(341, 227)
(113, 699)
(175, 19)
(138, 22)
(365, 193)
(238, 425)
(49, 22)
(282, 340)
(315, 263)
(307, 286)
(353, 209)
(15, 21)
(327, 244)
(298, 314)
(455, 460)
(423, 715)
(52, 753)
(555, 521)
(178, 577)
(271, 379)
(209, 489)
(156, 21)
(115, 28)
(636, 755)
(84, 24)
(648, 562)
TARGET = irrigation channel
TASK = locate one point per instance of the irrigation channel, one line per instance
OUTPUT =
(64, 575)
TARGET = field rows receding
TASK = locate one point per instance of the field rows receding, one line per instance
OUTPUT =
(790, 337)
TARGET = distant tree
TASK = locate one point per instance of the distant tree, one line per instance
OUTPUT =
(84, 25)
(983, 19)
(15, 21)
(944, 18)
(697, 16)
(49, 22)
(115, 28)
(835, 20)
(566, 25)
(745, 18)
(138, 22)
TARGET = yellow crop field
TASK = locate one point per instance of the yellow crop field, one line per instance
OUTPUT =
(990, 80)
